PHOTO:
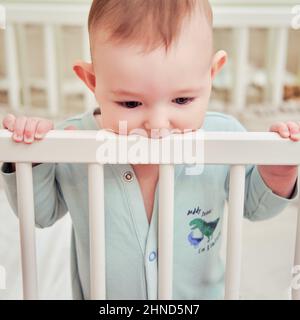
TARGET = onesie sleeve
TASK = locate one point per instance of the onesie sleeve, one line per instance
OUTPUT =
(260, 201)
(49, 202)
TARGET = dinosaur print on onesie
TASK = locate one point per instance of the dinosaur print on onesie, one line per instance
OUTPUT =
(202, 234)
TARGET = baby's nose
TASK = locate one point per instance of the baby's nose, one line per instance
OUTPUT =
(158, 125)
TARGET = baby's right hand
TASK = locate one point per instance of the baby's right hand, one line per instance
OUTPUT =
(27, 129)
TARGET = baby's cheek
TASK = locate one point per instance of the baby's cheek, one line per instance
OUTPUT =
(108, 121)
(126, 126)
(197, 118)
(190, 123)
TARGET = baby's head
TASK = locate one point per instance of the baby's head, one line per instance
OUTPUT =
(152, 63)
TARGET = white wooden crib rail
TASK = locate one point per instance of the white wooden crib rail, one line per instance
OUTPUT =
(235, 149)
(276, 19)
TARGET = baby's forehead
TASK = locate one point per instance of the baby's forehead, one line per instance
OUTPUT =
(195, 33)
(125, 62)
(188, 63)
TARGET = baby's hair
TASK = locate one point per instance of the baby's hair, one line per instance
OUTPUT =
(150, 23)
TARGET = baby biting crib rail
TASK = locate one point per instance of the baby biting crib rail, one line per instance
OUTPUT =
(253, 148)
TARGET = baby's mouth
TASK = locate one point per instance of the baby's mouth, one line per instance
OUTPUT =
(159, 133)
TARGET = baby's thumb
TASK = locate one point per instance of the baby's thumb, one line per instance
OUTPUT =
(70, 128)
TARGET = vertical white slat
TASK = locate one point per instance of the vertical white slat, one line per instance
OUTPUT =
(240, 68)
(97, 232)
(269, 56)
(51, 69)
(11, 62)
(89, 98)
(24, 66)
(296, 291)
(59, 59)
(27, 230)
(165, 231)
(276, 64)
(234, 232)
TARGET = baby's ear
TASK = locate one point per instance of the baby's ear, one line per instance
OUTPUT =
(86, 73)
(218, 62)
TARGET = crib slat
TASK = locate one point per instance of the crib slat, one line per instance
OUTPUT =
(27, 230)
(241, 41)
(51, 69)
(97, 232)
(165, 231)
(11, 60)
(89, 99)
(234, 232)
(296, 291)
(24, 65)
(277, 57)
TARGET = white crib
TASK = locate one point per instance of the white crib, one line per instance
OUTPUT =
(277, 20)
(254, 148)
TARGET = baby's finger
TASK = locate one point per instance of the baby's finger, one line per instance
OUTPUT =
(30, 129)
(294, 130)
(42, 128)
(293, 127)
(8, 122)
(281, 128)
(19, 128)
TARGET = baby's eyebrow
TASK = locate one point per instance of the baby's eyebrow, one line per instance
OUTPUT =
(180, 91)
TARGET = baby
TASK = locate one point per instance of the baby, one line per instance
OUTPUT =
(152, 66)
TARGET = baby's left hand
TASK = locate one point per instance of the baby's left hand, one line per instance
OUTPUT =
(287, 174)
(289, 129)
(282, 178)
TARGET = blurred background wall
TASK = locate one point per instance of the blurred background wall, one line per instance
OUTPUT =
(43, 83)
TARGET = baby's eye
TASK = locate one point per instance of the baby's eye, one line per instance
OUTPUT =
(135, 104)
(129, 104)
(183, 100)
